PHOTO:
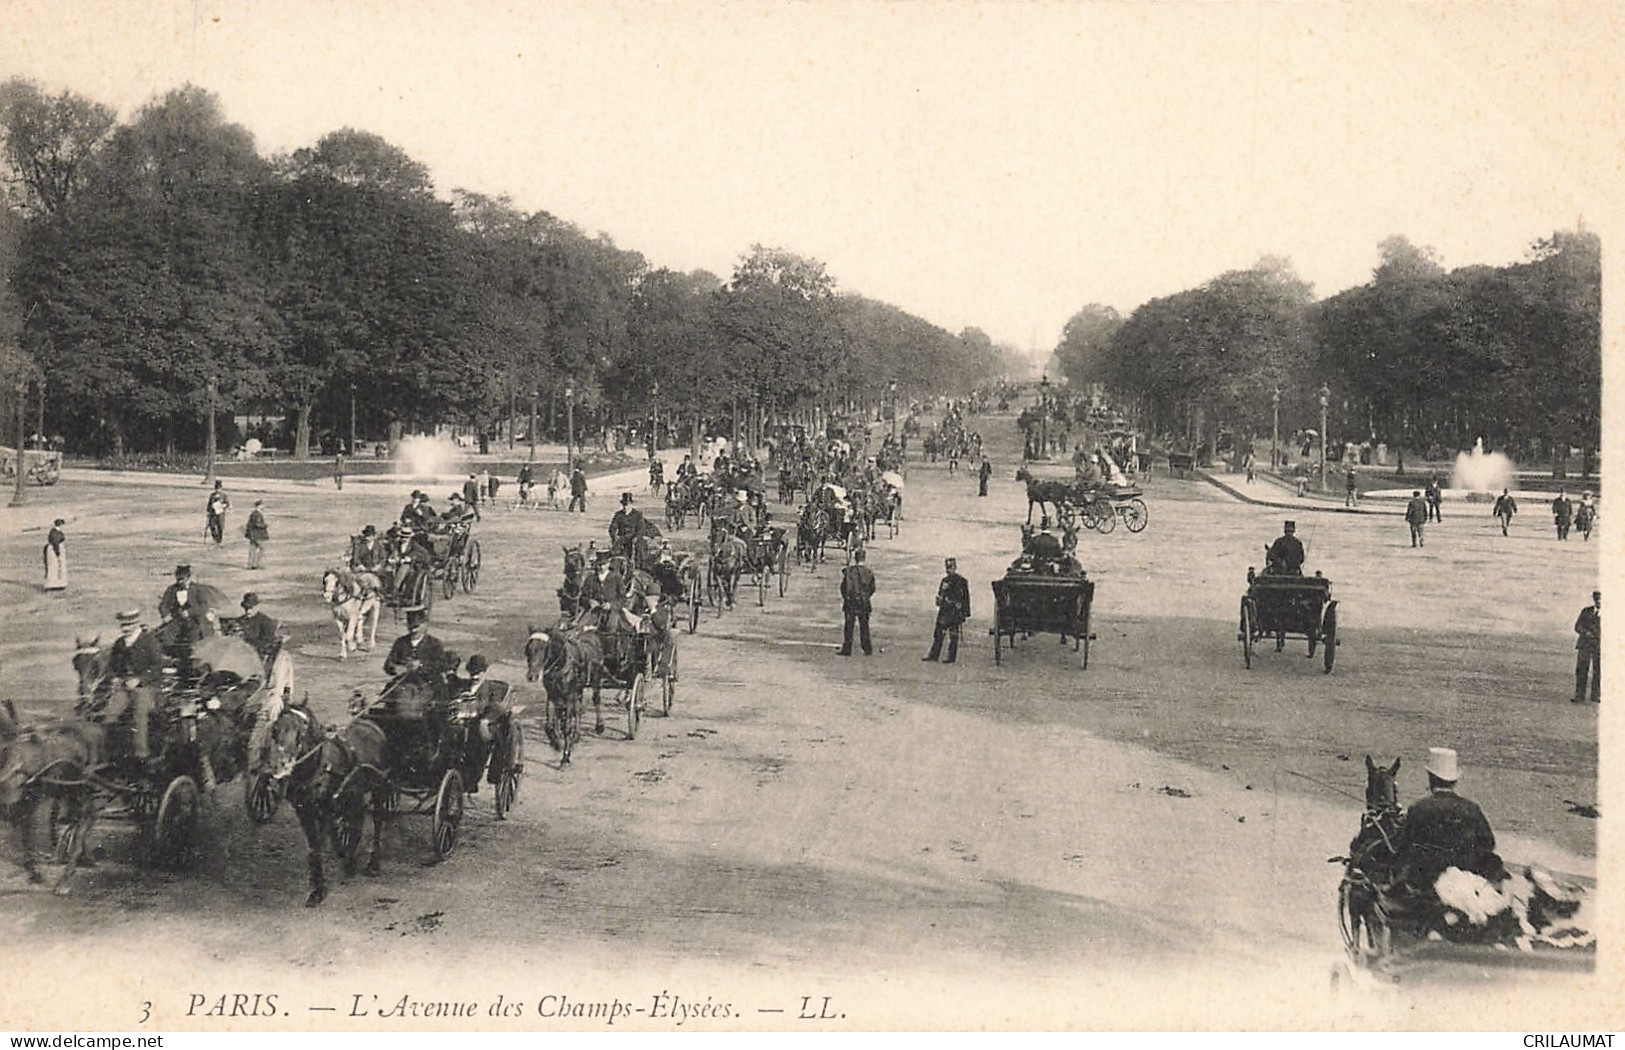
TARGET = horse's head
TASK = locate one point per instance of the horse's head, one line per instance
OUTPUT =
(1381, 787)
(90, 663)
(575, 562)
(1022, 474)
(330, 584)
(536, 648)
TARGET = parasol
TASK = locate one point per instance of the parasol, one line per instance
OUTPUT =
(892, 478)
(839, 492)
(225, 653)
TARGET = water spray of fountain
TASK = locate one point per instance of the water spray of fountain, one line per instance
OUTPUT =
(1480, 471)
(424, 456)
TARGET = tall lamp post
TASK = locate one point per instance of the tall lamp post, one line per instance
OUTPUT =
(18, 498)
(1043, 416)
(1275, 432)
(532, 428)
(1325, 397)
(352, 419)
(894, 410)
(654, 415)
(570, 429)
(213, 388)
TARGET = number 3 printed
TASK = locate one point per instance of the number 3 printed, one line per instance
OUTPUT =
(146, 1012)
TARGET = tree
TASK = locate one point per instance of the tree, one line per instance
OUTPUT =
(47, 143)
(1086, 343)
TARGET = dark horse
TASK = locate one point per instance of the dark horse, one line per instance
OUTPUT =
(49, 762)
(330, 787)
(728, 554)
(567, 660)
(1041, 492)
(1372, 865)
(575, 575)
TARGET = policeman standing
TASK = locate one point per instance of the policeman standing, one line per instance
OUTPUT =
(857, 593)
(1588, 650)
(953, 609)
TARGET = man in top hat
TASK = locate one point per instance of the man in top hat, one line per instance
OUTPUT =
(1588, 650)
(1285, 557)
(953, 609)
(625, 527)
(136, 666)
(417, 653)
(214, 514)
(257, 534)
(370, 554)
(1443, 830)
(471, 494)
(179, 606)
(256, 628)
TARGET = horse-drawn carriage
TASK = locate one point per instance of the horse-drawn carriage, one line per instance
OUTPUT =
(825, 519)
(1029, 602)
(42, 467)
(1526, 915)
(738, 550)
(686, 497)
(417, 567)
(1100, 508)
(1282, 605)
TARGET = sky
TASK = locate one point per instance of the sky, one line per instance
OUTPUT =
(996, 165)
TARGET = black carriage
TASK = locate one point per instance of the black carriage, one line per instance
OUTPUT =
(1100, 509)
(1282, 606)
(767, 558)
(1029, 603)
(634, 661)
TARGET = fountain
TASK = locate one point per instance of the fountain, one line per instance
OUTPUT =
(1482, 472)
(427, 456)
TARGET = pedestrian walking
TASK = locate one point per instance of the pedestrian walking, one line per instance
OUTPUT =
(857, 594)
(56, 558)
(483, 483)
(471, 494)
(338, 471)
(1505, 508)
(983, 472)
(1585, 516)
(1247, 465)
(1351, 497)
(257, 534)
(578, 491)
(1562, 514)
(953, 609)
(1416, 513)
(1435, 499)
(1588, 650)
(214, 511)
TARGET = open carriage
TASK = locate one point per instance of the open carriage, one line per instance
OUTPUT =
(1101, 508)
(1029, 603)
(767, 561)
(1281, 606)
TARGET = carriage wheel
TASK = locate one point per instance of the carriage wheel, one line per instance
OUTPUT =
(694, 605)
(634, 705)
(262, 794)
(762, 573)
(1105, 517)
(448, 814)
(1135, 515)
(1067, 516)
(1083, 639)
(668, 687)
(423, 590)
(64, 829)
(998, 639)
(1328, 639)
(512, 770)
(1248, 632)
(784, 570)
(471, 567)
(1363, 924)
(448, 581)
(350, 811)
(176, 825)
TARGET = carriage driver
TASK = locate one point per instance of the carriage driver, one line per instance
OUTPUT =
(417, 654)
(256, 628)
(492, 705)
(666, 574)
(1444, 830)
(1044, 547)
(1285, 555)
(604, 593)
(627, 525)
(176, 604)
(136, 665)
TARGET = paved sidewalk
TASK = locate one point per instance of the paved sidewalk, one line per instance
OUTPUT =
(1269, 492)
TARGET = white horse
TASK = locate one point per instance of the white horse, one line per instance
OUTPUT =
(355, 600)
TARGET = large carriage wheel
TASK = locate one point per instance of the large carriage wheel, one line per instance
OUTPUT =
(448, 814)
(668, 684)
(762, 573)
(262, 794)
(784, 569)
(1362, 922)
(694, 603)
(1105, 516)
(423, 589)
(175, 828)
(1248, 632)
(448, 579)
(471, 566)
(1328, 638)
(634, 705)
(1135, 515)
(507, 788)
(998, 637)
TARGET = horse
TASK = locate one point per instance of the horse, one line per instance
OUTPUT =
(1041, 493)
(330, 785)
(355, 599)
(812, 532)
(575, 576)
(1373, 861)
(49, 762)
(728, 555)
(567, 660)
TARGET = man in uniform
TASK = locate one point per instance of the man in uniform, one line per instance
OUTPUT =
(626, 526)
(256, 628)
(1285, 557)
(1505, 507)
(1416, 515)
(1443, 830)
(578, 490)
(857, 593)
(215, 513)
(1562, 514)
(1588, 650)
(136, 666)
(953, 609)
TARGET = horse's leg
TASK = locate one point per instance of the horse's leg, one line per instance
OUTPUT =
(380, 810)
(83, 808)
(23, 814)
(597, 705)
(311, 824)
(370, 612)
(340, 620)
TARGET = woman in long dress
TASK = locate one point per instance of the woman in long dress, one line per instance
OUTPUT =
(56, 558)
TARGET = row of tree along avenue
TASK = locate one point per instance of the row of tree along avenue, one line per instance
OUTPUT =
(157, 267)
(1418, 358)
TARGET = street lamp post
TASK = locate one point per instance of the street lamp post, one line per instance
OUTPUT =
(894, 410)
(570, 429)
(1043, 416)
(1325, 397)
(1275, 432)
(532, 429)
(18, 498)
(209, 472)
(352, 419)
(654, 415)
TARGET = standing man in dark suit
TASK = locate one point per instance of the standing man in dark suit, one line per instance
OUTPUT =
(983, 472)
(137, 668)
(258, 534)
(1416, 513)
(1588, 650)
(857, 592)
(471, 494)
(215, 514)
(953, 609)
(1562, 514)
(578, 491)
(1505, 508)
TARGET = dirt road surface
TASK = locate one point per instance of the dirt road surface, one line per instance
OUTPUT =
(1142, 844)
